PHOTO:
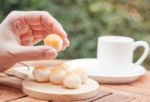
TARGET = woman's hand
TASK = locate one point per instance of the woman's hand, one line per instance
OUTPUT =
(22, 29)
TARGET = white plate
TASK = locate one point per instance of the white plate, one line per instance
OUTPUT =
(22, 72)
(107, 76)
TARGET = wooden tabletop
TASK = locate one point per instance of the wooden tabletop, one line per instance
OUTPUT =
(137, 91)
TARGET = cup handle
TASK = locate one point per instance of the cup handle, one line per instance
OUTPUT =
(145, 53)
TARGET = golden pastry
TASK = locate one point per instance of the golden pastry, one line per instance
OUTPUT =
(54, 40)
(41, 73)
(57, 76)
(71, 81)
(62, 66)
(82, 73)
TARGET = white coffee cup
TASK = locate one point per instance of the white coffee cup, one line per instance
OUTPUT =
(116, 52)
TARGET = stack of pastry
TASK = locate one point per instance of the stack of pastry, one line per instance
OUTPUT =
(61, 75)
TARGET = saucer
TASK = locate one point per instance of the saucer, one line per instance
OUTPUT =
(107, 75)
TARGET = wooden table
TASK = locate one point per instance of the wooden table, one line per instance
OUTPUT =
(138, 91)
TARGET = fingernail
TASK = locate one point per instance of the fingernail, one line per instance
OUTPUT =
(51, 54)
(65, 34)
(63, 48)
(66, 42)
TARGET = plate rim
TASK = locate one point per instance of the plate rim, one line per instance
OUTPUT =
(111, 76)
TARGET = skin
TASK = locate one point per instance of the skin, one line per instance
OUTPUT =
(22, 29)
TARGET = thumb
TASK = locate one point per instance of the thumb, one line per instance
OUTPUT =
(25, 53)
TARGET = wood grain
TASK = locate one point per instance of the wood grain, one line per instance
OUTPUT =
(137, 97)
(3, 74)
(143, 82)
(48, 91)
(11, 81)
(100, 95)
(27, 99)
(138, 91)
(115, 98)
(7, 93)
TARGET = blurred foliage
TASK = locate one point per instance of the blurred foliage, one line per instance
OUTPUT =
(85, 20)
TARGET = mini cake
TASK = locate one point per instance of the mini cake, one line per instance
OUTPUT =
(54, 40)
(62, 66)
(61, 75)
(41, 74)
(71, 81)
(82, 73)
(57, 76)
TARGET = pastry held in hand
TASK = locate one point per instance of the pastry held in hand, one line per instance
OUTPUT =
(82, 73)
(71, 81)
(54, 40)
(57, 76)
(41, 74)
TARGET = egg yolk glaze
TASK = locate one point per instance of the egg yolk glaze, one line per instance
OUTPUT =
(40, 67)
(54, 40)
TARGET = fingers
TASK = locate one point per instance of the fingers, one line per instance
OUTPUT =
(35, 53)
(37, 21)
(53, 26)
(21, 26)
(33, 17)
(37, 27)
(67, 43)
(38, 36)
(27, 38)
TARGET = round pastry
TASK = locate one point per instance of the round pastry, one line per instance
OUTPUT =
(71, 81)
(41, 74)
(54, 40)
(57, 76)
(82, 73)
(62, 66)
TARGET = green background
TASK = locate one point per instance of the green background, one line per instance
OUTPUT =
(85, 20)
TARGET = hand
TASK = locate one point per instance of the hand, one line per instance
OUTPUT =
(22, 29)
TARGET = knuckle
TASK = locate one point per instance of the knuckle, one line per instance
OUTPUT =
(45, 12)
(14, 12)
(11, 56)
(38, 53)
(35, 54)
